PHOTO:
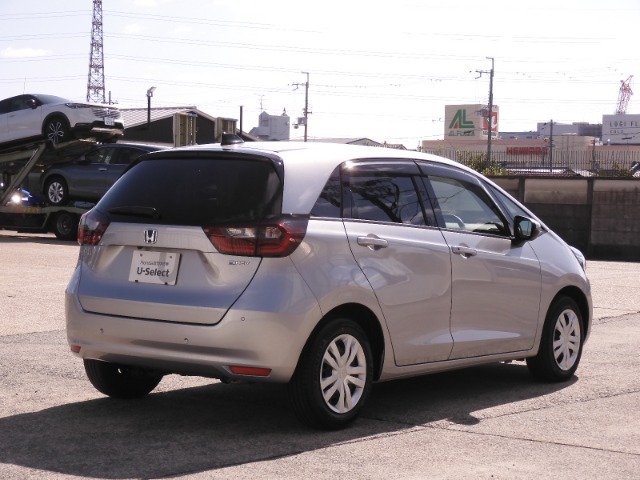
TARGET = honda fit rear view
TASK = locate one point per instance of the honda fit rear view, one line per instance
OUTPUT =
(322, 267)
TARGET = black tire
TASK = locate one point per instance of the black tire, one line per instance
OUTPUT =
(56, 129)
(319, 401)
(65, 226)
(56, 191)
(119, 381)
(561, 343)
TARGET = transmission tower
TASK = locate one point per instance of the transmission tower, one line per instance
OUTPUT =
(625, 95)
(95, 85)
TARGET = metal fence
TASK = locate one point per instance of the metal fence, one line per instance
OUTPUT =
(598, 163)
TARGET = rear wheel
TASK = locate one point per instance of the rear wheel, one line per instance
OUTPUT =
(333, 379)
(65, 226)
(57, 130)
(120, 381)
(561, 343)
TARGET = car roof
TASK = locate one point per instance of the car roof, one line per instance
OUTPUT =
(308, 165)
(143, 146)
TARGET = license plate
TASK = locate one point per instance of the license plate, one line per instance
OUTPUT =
(154, 267)
(108, 121)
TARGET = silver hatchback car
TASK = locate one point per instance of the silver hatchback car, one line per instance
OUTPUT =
(323, 267)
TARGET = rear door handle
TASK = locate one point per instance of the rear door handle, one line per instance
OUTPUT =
(373, 242)
(466, 252)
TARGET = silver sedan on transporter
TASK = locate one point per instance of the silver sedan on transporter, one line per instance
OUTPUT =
(323, 267)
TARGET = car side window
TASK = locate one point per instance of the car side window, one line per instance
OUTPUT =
(385, 197)
(329, 203)
(126, 156)
(20, 103)
(5, 106)
(466, 206)
(511, 207)
(101, 155)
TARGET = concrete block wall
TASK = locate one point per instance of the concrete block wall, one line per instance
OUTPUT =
(601, 217)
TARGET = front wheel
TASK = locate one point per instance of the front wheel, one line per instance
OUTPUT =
(333, 379)
(561, 343)
(121, 381)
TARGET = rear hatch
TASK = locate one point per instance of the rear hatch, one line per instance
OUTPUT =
(147, 245)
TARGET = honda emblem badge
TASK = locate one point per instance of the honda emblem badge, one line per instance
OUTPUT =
(150, 236)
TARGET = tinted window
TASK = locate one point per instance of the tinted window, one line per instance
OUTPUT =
(329, 203)
(198, 191)
(22, 102)
(5, 106)
(127, 155)
(101, 155)
(466, 206)
(385, 198)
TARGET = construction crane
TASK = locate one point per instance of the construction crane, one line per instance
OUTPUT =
(625, 95)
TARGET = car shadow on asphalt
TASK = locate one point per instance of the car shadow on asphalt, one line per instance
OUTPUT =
(198, 429)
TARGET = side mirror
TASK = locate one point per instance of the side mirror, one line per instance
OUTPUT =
(32, 103)
(525, 229)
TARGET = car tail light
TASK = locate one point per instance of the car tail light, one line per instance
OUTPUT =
(276, 237)
(91, 227)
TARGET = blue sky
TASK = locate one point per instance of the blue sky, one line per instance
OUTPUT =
(382, 70)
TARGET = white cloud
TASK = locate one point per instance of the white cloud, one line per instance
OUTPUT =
(11, 52)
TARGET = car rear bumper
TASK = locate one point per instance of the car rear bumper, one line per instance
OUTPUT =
(244, 338)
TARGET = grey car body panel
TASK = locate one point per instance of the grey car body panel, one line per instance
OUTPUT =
(208, 283)
(411, 277)
(495, 295)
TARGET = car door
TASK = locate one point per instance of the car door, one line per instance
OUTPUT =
(496, 284)
(24, 121)
(89, 177)
(119, 161)
(115, 163)
(403, 255)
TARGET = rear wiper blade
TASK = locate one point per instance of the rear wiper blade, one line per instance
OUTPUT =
(136, 211)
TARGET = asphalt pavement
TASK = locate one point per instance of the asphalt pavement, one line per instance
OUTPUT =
(490, 422)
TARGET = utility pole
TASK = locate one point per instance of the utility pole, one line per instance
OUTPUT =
(306, 111)
(550, 146)
(490, 109)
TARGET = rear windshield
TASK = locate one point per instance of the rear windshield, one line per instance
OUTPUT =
(199, 192)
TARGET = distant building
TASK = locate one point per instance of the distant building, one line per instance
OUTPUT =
(174, 126)
(580, 129)
(272, 127)
(621, 129)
